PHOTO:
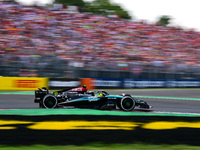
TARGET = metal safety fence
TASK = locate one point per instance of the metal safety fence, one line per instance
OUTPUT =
(77, 72)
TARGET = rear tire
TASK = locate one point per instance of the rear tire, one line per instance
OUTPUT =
(127, 103)
(50, 101)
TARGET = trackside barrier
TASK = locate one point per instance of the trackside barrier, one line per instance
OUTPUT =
(68, 83)
(89, 82)
(32, 83)
(63, 83)
(111, 83)
(22, 83)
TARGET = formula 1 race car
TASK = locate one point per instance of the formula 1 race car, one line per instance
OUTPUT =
(90, 100)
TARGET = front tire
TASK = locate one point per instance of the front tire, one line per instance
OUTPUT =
(127, 103)
(50, 101)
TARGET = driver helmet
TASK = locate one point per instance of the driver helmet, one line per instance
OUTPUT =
(84, 86)
(100, 95)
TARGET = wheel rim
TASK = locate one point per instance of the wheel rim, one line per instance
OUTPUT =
(127, 104)
(50, 102)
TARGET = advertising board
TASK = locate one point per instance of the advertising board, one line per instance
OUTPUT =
(22, 83)
(63, 83)
(106, 83)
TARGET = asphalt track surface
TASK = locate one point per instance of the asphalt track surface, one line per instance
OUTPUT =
(162, 100)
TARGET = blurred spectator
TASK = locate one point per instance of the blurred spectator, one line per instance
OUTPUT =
(35, 38)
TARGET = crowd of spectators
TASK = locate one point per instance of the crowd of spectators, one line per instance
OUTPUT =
(36, 38)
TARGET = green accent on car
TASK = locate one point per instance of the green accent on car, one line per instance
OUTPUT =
(86, 99)
(50, 102)
(115, 96)
(128, 104)
(55, 93)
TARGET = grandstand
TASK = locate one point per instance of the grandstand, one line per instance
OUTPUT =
(39, 41)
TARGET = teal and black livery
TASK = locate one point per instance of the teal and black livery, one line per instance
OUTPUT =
(89, 100)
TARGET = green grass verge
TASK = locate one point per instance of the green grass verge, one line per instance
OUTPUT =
(104, 147)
